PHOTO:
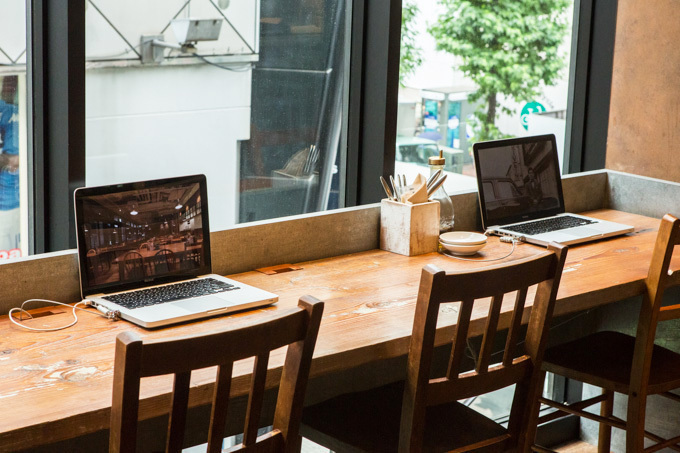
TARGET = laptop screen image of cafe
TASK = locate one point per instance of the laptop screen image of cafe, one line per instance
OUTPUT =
(142, 235)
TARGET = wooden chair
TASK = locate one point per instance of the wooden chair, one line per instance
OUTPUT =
(135, 359)
(163, 261)
(133, 266)
(423, 414)
(192, 259)
(633, 366)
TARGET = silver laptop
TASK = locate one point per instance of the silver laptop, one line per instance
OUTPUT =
(144, 251)
(520, 194)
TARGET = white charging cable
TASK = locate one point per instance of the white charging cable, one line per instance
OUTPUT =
(102, 311)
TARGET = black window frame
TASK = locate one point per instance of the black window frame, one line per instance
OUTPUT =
(55, 38)
(590, 74)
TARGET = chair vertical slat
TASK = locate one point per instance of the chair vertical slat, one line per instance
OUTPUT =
(218, 415)
(515, 323)
(125, 404)
(489, 334)
(460, 338)
(292, 387)
(414, 403)
(178, 413)
(255, 401)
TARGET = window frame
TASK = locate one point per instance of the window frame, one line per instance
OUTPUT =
(56, 75)
(590, 74)
(55, 36)
(373, 98)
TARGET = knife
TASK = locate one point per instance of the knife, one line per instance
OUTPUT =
(435, 185)
(388, 192)
(433, 177)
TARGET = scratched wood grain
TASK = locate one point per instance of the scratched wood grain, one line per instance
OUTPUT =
(58, 385)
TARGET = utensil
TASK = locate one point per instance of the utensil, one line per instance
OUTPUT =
(305, 168)
(403, 180)
(395, 189)
(433, 177)
(312, 157)
(435, 185)
(388, 192)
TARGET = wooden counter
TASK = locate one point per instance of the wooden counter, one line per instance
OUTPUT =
(57, 385)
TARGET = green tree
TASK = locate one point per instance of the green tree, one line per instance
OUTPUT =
(506, 47)
(411, 53)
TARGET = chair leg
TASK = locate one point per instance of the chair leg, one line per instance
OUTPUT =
(529, 442)
(635, 422)
(606, 410)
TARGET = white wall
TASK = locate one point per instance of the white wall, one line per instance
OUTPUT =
(162, 121)
(134, 18)
(13, 31)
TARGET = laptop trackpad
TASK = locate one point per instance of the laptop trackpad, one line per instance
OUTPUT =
(205, 303)
(582, 231)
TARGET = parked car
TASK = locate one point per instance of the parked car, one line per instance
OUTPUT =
(419, 150)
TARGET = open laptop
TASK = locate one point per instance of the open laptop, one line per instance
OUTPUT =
(144, 250)
(520, 194)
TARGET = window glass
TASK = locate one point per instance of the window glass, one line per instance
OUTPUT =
(13, 189)
(249, 93)
(474, 71)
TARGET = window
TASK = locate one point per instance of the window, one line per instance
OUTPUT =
(13, 147)
(452, 92)
(370, 85)
(254, 100)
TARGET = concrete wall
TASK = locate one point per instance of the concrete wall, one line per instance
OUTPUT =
(270, 242)
(644, 120)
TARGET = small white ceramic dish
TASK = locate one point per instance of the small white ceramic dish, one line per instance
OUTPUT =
(463, 249)
(462, 238)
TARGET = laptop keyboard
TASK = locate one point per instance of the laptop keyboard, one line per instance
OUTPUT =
(547, 225)
(169, 293)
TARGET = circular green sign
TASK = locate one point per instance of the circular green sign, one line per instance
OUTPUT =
(528, 109)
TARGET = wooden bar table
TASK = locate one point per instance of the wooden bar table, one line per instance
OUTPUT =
(57, 385)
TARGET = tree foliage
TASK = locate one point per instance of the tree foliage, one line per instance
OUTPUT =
(506, 47)
(411, 53)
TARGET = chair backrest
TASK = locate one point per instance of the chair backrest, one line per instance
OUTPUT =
(133, 265)
(135, 359)
(473, 289)
(659, 279)
(191, 259)
(162, 262)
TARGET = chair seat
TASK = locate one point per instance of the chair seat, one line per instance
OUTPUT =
(604, 359)
(369, 422)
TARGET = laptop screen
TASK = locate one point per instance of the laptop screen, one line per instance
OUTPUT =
(518, 179)
(136, 234)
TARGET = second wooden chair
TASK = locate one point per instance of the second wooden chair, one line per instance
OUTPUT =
(632, 366)
(423, 414)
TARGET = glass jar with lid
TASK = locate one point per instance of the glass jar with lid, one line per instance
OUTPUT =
(445, 204)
